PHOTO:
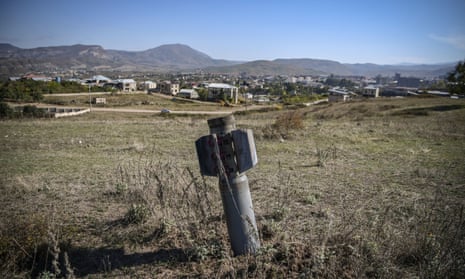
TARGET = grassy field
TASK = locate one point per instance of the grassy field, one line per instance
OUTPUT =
(366, 189)
(145, 101)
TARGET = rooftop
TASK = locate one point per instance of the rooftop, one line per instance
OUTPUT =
(220, 85)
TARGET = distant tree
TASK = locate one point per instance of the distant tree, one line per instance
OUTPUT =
(438, 85)
(203, 93)
(333, 81)
(456, 79)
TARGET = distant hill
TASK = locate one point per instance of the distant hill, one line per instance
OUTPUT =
(15, 61)
(422, 71)
(264, 67)
(168, 57)
(327, 67)
(321, 66)
(177, 57)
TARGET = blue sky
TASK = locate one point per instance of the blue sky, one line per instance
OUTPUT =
(348, 31)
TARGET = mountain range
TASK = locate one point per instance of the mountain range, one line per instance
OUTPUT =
(178, 57)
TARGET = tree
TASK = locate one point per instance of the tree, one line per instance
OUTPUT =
(456, 79)
(203, 94)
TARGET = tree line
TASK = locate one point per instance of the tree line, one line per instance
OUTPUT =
(28, 111)
(456, 79)
(28, 90)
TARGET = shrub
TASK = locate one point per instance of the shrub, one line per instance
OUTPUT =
(292, 120)
(33, 111)
(6, 111)
(137, 214)
(19, 241)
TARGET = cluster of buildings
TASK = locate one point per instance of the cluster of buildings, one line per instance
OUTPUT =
(259, 89)
(124, 85)
(214, 90)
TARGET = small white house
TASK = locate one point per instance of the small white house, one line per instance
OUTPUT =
(99, 100)
(370, 91)
(339, 94)
(248, 96)
(169, 88)
(188, 93)
(126, 85)
(147, 85)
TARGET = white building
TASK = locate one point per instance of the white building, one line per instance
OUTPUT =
(147, 85)
(370, 91)
(188, 93)
(169, 88)
(126, 85)
(339, 94)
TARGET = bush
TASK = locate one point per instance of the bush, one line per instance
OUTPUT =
(291, 120)
(27, 111)
(33, 111)
(137, 214)
(20, 239)
(6, 111)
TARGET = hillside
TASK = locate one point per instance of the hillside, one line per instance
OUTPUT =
(178, 57)
(264, 67)
(15, 61)
(326, 67)
(428, 71)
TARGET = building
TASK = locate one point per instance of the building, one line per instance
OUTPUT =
(169, 88)
(339, 95)
(147, 85)
(410, 82)
(248, 96)
(125, 85)
(222, 91)
(98, 80)
(37, 77)
(99, 100)
(261, 99)
(188, 93)
(370, 91)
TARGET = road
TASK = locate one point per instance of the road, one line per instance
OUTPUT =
(226, 110)
(159, 112)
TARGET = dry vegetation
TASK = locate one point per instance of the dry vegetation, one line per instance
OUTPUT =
(370, 189)
(135, 101)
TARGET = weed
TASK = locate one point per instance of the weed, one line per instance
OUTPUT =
(324, 155)
(137, 214)
(20, 239)
(311, 198)
(121, 189)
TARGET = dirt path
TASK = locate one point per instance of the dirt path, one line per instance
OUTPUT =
(226, 110)
(158, 111)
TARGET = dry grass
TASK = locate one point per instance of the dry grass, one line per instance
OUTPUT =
(135, 101)
(371, 189)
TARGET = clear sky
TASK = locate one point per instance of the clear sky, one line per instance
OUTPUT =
(348, 31)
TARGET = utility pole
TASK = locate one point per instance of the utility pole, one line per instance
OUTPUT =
(90, 100)
(228, 153)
